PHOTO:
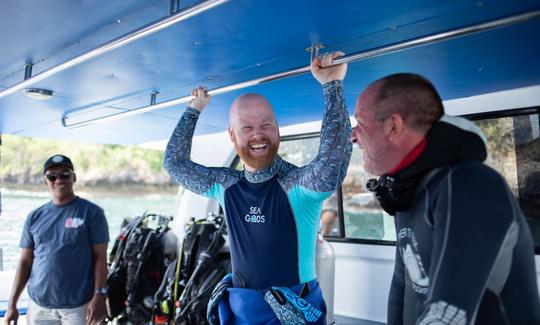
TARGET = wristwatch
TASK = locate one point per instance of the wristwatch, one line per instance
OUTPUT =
(101, 291)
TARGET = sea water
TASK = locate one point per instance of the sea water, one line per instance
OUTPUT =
(16, 205)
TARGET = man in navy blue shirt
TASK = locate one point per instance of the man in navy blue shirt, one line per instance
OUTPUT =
(63, 259)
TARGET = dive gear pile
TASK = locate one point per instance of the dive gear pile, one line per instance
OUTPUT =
(137, 266)
(186, 289)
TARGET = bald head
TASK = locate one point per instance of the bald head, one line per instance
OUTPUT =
(254, 131)
(248, 108)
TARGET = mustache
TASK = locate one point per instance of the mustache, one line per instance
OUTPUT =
(261, 140)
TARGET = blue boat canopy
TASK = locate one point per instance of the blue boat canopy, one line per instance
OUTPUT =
(219, 43)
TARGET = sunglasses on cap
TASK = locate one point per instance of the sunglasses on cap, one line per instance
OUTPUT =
(54, 176)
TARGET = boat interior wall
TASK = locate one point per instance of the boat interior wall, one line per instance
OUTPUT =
(373, 267)
(236, 41)
(496, 101)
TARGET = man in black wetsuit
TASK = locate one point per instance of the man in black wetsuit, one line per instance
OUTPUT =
(464, 252)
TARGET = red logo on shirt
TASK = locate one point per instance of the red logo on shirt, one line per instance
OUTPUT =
(73, 222)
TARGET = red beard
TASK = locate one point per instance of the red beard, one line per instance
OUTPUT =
(259, 162)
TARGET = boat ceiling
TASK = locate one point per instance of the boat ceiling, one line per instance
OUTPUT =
(237, 41)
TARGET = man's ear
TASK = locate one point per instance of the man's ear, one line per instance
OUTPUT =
(394, 127)
(74, 177)
(231, 134)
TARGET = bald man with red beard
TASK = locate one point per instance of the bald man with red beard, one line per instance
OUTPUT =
(272, 207)
(256, 146)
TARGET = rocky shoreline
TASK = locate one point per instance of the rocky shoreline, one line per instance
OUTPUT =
(101, 189)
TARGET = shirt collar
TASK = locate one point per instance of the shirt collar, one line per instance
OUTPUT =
(264, 174)
(410, 157)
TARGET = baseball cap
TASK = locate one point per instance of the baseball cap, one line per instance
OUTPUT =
(57, 160)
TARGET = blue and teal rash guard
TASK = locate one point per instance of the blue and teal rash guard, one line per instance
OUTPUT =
(272, 214)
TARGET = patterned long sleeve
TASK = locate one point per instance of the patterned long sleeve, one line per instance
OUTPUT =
(328, 169)
(207, 181)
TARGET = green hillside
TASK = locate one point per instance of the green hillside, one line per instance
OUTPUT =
(21, 162)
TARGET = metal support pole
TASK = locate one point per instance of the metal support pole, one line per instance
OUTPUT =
(116, 43)
(175, 6)
(153, 97)
(392, 48)
(28, 71)
(314, 50)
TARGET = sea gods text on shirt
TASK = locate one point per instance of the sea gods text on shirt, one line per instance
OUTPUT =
(255, 215)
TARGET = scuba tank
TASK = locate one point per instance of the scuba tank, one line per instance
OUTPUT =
(325, 267)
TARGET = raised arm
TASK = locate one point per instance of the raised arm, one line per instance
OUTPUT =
(328, 169)
(196, 178)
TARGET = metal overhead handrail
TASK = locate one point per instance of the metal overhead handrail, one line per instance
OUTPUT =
(115, 43)
(515, 19)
